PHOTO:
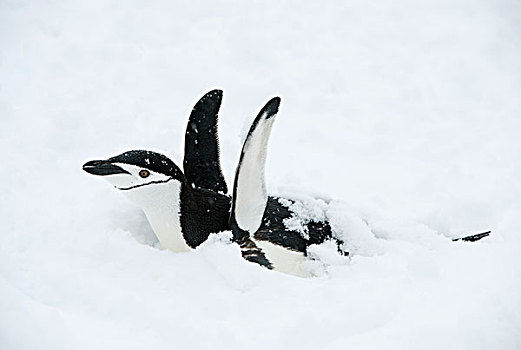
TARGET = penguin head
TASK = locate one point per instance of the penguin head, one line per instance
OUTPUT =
(141, 175)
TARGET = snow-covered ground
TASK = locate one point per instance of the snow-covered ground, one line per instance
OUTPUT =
(405, 114)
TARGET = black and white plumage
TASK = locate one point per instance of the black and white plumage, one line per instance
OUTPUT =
(201, 163)
(184, 209)
(257, 220)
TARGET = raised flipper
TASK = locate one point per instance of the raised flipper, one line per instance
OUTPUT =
(201, 163)
(249, 189)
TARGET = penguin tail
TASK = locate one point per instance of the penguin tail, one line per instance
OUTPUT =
(473, 238)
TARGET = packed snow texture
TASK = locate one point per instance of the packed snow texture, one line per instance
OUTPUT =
(403, 117)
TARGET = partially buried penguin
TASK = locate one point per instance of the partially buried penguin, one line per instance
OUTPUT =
(185, 208)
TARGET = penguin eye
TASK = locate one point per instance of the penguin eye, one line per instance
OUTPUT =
(144, 173)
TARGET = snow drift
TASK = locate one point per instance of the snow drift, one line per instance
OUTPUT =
(402, 117)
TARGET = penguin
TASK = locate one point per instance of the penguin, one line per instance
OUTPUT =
(185, 208)
(181, 216)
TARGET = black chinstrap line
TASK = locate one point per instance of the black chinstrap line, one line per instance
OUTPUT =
(148, 183)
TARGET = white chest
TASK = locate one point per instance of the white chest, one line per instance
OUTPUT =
(166, 226)
(161, 206)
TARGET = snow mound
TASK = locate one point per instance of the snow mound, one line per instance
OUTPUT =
(405, 114)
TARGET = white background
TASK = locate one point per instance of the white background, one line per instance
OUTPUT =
(407, 114)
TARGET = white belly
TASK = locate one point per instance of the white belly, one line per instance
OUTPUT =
(284, 260)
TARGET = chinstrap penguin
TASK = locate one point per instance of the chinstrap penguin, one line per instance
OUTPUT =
(184, 208)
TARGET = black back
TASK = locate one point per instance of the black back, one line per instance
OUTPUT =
(204, 212)
(272, 229)
(201, 163)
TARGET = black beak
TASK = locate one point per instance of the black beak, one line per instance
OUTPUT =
(102, 168)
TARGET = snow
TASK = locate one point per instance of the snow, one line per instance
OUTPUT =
(403, 116)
